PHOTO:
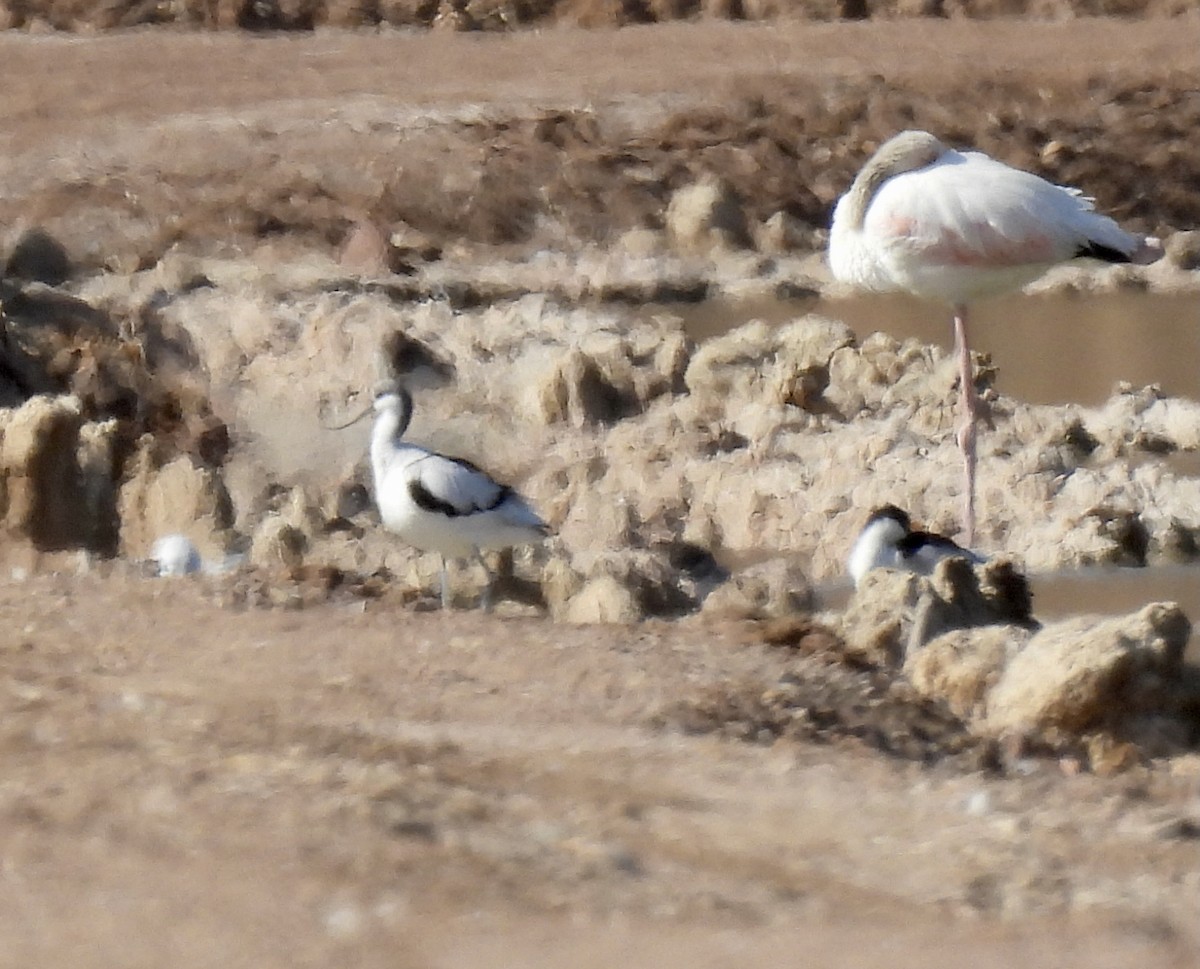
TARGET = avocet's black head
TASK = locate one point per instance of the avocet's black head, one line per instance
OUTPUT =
(891, 512)
(393, 397)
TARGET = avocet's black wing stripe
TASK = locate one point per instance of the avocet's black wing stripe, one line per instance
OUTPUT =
(913, 542)
(453, 487)
(428, 501)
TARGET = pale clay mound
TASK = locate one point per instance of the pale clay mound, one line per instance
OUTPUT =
(768, 441)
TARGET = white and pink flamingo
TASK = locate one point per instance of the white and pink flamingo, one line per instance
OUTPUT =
(955, 226)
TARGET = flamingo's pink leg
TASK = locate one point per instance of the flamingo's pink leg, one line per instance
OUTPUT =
(969, 403)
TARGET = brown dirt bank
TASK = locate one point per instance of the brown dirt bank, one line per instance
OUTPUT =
(340, 786)
(530, 141)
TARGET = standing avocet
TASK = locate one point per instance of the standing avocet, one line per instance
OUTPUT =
(438, 503)
(956, 226)
(888, 541)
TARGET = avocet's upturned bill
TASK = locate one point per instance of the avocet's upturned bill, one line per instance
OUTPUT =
(955, 226)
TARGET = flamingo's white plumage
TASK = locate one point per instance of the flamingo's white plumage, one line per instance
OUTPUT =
(438, 503)
(889, 541)
(955, 226)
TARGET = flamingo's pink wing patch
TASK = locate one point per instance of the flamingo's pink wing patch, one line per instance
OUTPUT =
(976, 245)
(976, 213)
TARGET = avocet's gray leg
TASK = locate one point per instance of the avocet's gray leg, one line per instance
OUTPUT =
(485, 601)
(445, 586)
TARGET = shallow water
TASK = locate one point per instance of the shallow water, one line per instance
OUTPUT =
(1094, 591)
(1049, 349)
(1101, 591)
(1115, 591)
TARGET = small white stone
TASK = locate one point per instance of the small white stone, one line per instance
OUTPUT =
(175, 555)
(391, 908)
(978, 804)
(343, 921)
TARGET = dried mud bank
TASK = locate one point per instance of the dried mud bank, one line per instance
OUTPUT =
(197, 388)
(634, 441)
(196, 396)
(756, 169)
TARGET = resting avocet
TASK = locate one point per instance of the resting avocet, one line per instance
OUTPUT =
(956, 226)
(888, 541)
(438, 503)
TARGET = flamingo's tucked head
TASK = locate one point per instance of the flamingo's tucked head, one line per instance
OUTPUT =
(905, 152)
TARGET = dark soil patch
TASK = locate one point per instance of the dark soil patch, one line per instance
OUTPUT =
(820, 702)
(505, 15)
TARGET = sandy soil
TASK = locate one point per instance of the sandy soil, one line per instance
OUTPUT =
(221, 772)
(367, 786)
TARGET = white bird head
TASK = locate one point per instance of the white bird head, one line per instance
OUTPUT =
(393, 399)
(878, 544)
(175, 555)
(905, 152)
(390, 394)
(891, 513)
(890, 523)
